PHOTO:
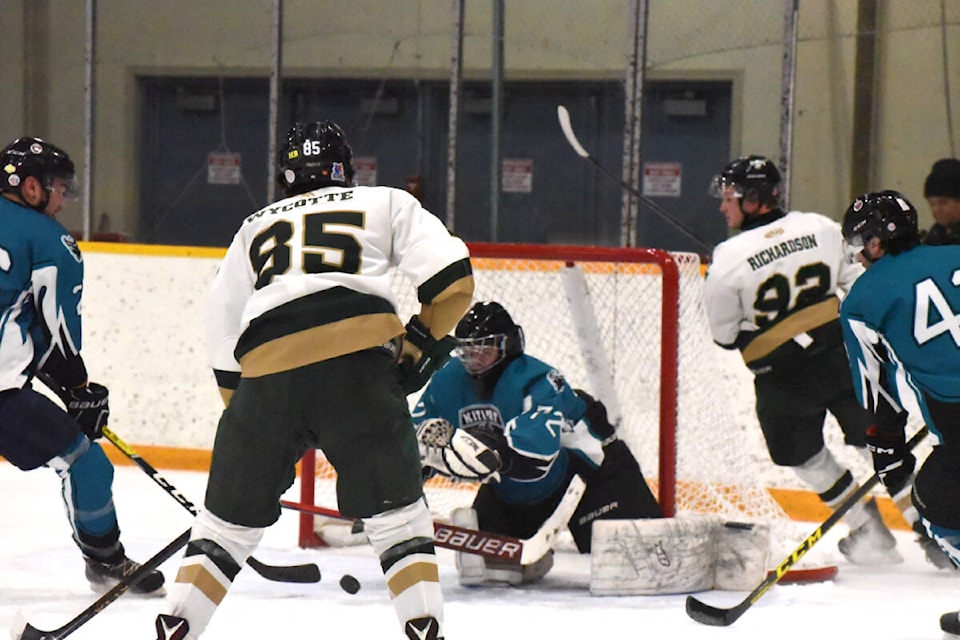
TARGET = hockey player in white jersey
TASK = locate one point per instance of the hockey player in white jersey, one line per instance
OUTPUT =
(308, 351)
(771, 292)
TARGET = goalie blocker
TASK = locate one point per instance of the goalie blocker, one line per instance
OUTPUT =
(676, 555)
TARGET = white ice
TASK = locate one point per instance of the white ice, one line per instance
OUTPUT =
(41, 576)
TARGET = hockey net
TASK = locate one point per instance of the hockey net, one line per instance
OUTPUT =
(629, 327)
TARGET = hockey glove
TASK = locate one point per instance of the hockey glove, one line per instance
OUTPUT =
(89, 406)
(891, 460)
(413, 375)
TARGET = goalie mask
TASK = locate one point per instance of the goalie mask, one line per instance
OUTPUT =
(487, 336)
(314, 155)
(36, 158)
(752, 178)
(886, 215)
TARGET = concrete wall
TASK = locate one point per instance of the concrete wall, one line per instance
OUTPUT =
(735, 39)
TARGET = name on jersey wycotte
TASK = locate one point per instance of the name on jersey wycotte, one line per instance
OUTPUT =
(782, 250)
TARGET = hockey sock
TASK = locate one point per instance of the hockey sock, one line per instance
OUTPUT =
(403, 540)
(214, 555)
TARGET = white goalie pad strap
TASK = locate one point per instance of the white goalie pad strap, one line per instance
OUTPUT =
(650, 557)
(743, 551)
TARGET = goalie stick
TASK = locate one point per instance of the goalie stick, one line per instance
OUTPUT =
(492, 545)
(724, 617)
(299, 573)
(564, 116)
(20, 629)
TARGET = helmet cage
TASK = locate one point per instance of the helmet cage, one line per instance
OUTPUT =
(477, 354)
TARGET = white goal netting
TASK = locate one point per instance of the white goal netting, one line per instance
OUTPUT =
(607, 320)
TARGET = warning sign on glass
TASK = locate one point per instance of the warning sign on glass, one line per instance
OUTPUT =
(223, 168)
(517, 175)
(662, 179)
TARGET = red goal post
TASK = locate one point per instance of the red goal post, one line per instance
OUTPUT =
(628, 326)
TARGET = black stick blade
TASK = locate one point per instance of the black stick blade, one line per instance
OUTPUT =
(300, 573)
(30, 632)
(714, 616)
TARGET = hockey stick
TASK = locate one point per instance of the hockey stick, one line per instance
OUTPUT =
(564, 116)
(23, 630)
(492, 545)
(300, 573)
(721, 617)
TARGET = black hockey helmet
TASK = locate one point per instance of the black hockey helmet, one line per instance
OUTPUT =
(315, 154)
(753, 179)
(487, 325)
(26, 157)
(886, 215)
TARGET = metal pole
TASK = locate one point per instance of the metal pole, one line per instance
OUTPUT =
(89, 108)
(496, 117)
(789, 77)
(275, 87)
(633, 121)
(456, 79)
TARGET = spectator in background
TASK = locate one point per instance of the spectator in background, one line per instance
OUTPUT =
(942, 191)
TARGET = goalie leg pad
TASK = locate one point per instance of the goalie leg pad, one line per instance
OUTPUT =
(651, 557)
(743, 551)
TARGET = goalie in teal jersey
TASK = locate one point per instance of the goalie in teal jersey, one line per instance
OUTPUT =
(901, 327)
(498, 416)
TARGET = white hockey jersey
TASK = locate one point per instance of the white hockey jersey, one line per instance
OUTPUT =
(307, 278)
(776, 282)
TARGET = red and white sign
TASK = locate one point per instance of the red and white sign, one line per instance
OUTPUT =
(517, 175)
(223, 168)
(365, 171)
(662, 179)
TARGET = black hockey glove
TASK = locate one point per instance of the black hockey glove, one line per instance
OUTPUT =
(89, 406)
(891, 460)
(435, 353)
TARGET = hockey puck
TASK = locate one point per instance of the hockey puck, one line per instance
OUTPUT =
(349, 584)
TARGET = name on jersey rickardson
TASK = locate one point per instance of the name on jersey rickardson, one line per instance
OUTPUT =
(782, 250)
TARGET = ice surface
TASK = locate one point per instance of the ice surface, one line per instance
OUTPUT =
(41, 574)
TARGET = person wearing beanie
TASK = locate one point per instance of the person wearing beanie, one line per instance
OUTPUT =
(942, 191)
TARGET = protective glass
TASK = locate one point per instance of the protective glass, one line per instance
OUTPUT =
(481, 354)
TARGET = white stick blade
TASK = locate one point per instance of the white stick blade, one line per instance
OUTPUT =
(564, 116)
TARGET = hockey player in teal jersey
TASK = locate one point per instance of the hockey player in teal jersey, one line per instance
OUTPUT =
(41, 283)
(901, 327)
(515, 424)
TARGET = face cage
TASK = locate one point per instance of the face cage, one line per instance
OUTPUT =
(474, 352)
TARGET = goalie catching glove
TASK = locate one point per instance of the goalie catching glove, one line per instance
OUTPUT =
(892, 461)
(414, 374)
(456, 453)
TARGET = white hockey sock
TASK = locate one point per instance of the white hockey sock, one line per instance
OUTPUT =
(214, 555)
(403, 540)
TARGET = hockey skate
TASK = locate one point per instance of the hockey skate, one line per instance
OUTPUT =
(422, 629)
(871, 544)
(950, 623)
(171, 627)
(104, 574)
(935, 555)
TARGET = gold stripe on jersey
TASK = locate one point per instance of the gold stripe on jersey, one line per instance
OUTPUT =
(319, 343)
(804, 320)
